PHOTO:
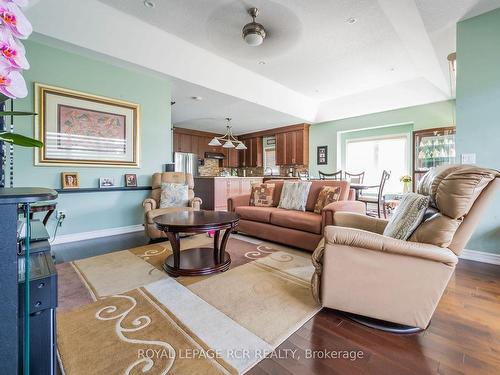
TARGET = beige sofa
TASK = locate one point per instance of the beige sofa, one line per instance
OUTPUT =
(151, 205)
(360, 271)
(296, 228)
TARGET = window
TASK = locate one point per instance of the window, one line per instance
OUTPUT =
(373, 155)
(270, 161)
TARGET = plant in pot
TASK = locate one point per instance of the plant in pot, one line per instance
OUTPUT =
(406, 180)
(14, 26)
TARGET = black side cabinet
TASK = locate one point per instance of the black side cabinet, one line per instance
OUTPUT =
(10, 199)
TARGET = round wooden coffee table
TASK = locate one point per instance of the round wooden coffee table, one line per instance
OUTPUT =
(200, 260)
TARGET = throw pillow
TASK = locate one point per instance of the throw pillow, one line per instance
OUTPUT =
(327, 195)
(262, 195)
(174, 195)
(407, 216)
(294, 195)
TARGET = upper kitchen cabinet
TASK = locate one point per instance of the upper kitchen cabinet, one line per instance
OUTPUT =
(193, 141)
(252, 156)
(292, 145)
(232, 157)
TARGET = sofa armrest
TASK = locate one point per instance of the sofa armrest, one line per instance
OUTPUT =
(352, 195)
(359, 221)
(237, 200)
(149, 204)
(195, 203)
(376, 242)
(349, 206)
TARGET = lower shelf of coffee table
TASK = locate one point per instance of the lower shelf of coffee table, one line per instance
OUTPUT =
(196, 262)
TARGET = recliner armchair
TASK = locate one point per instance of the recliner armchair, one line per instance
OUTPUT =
(152, 204)
(360, 271)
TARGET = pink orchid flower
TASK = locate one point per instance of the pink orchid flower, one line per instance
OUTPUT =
(14, 20)
(12, 83)
(12, 52)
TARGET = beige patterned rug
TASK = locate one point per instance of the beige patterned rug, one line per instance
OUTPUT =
(119, 313)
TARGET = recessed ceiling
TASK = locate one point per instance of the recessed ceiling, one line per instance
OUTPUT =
(317, 66)
(209, 113)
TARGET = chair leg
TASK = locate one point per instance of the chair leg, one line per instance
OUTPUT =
(378, 209)
(385, 210)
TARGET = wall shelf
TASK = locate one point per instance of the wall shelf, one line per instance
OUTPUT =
(96, 190)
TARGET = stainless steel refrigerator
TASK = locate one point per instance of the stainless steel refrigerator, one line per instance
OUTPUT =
(186, 162)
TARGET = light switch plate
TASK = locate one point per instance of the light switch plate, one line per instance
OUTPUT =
(468, 158)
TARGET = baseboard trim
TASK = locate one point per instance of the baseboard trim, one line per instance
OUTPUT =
(73, 237)
(481, 256)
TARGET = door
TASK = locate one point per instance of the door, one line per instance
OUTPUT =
(299, 148)
(256, 146)
(280, 148)
(290, 147)
(185, 141)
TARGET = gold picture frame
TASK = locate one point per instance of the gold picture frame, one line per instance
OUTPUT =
(70, 180)
(81, 129)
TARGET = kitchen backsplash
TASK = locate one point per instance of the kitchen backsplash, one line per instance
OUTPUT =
(211, 167)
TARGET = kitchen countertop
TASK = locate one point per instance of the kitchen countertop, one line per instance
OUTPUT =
(229, 177)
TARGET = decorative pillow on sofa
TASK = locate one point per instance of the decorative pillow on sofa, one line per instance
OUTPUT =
(327, 195)
(262, 195)
(407, 217)
(294, 195)
(174, 195)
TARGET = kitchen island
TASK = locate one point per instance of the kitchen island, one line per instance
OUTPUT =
(215, 190)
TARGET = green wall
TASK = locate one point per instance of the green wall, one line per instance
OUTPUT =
(478, 109)
(419, 117)
(102, 210)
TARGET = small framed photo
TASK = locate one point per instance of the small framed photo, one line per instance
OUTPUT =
(70, 180)
(322, 155)
(131, 180)
(106, 182)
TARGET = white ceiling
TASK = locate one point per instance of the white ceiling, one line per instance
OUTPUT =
(317, 66)
(209, 114)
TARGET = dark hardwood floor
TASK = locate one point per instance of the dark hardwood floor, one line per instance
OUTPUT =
(463, 337)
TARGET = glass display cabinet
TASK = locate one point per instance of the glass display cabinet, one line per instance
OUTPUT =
(431, 148)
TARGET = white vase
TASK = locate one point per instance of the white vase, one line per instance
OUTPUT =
(406, 187)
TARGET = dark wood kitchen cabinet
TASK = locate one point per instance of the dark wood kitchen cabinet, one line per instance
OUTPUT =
(292, 146)
(252, 156)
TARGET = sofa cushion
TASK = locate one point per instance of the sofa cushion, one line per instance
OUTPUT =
(437, 230)
(261, 195)
(327, 195)
(407, 217)
(252, 213)
(316, 187)
(151, 214)
(294, 195)
(304, 221)
(174, 195)
(454, 189)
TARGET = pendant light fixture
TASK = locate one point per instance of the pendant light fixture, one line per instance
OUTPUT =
(228, 140)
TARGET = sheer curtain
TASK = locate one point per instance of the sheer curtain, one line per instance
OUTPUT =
(376, 154)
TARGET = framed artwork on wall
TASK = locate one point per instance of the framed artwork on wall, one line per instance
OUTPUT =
(130, 180)
(106, 182)
(84, 129)
(70, 180)
(322, 155)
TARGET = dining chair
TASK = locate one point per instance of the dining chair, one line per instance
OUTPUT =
(330, 176)
(379, 199)
(354, 178)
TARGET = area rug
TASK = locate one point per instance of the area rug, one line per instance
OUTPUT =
(119, 313)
